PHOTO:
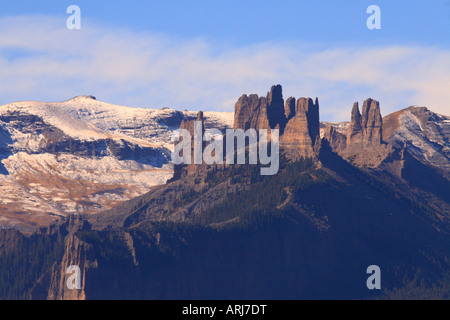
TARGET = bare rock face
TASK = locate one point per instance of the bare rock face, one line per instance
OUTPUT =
(289, 108)
(275, 107)
(189, 124)
(371, 122)
(76, 253)
(365, 129)
(312, 114)
(354, 132)
(260, 112)
(336, 140)
(364, 146)
(181, 170)
(296, 140)
(251, 112)
(302, 129)
(53, 284)
(297, 120)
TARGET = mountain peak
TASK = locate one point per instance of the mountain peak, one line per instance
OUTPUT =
(83, 97)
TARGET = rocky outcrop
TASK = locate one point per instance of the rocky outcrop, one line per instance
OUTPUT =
(181, 170)
(312, 117)
(301, 130)
(97, 264)
(52, 285)
(354, 131)
(76, 253)
(189, 125)
(289, 108)
(336, 140)
(297, 120)
(365, 129)
(275, 107)
(371, 123)
(251, 112)
(364, 146)
(260, 112)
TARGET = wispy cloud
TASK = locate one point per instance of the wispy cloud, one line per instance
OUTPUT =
(42, 60)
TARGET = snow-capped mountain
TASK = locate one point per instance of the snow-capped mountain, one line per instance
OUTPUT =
(425, 134)
(82, 156)
(85, 156)
(422, 133)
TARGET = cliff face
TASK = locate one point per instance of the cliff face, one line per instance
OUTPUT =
(371, 122)
(365, 129)
(298, 121)
(251, 112)
(275, 108)
(260, 112)
(301, 130)
(354, 132)
(362, 145)
(181, 170)
(53, 284)
(76, 253)
(9, 238)
(289, 108)
(337, 141)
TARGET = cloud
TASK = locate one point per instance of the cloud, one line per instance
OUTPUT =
(40, 59)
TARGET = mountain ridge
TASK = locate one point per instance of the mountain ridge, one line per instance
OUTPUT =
(227, 232)
(81, 156)
(41, 141)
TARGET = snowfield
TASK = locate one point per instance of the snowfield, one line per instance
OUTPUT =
(82, 156)
(427, 139)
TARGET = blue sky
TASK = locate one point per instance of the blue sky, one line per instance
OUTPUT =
(204, 54)
(244, 22)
